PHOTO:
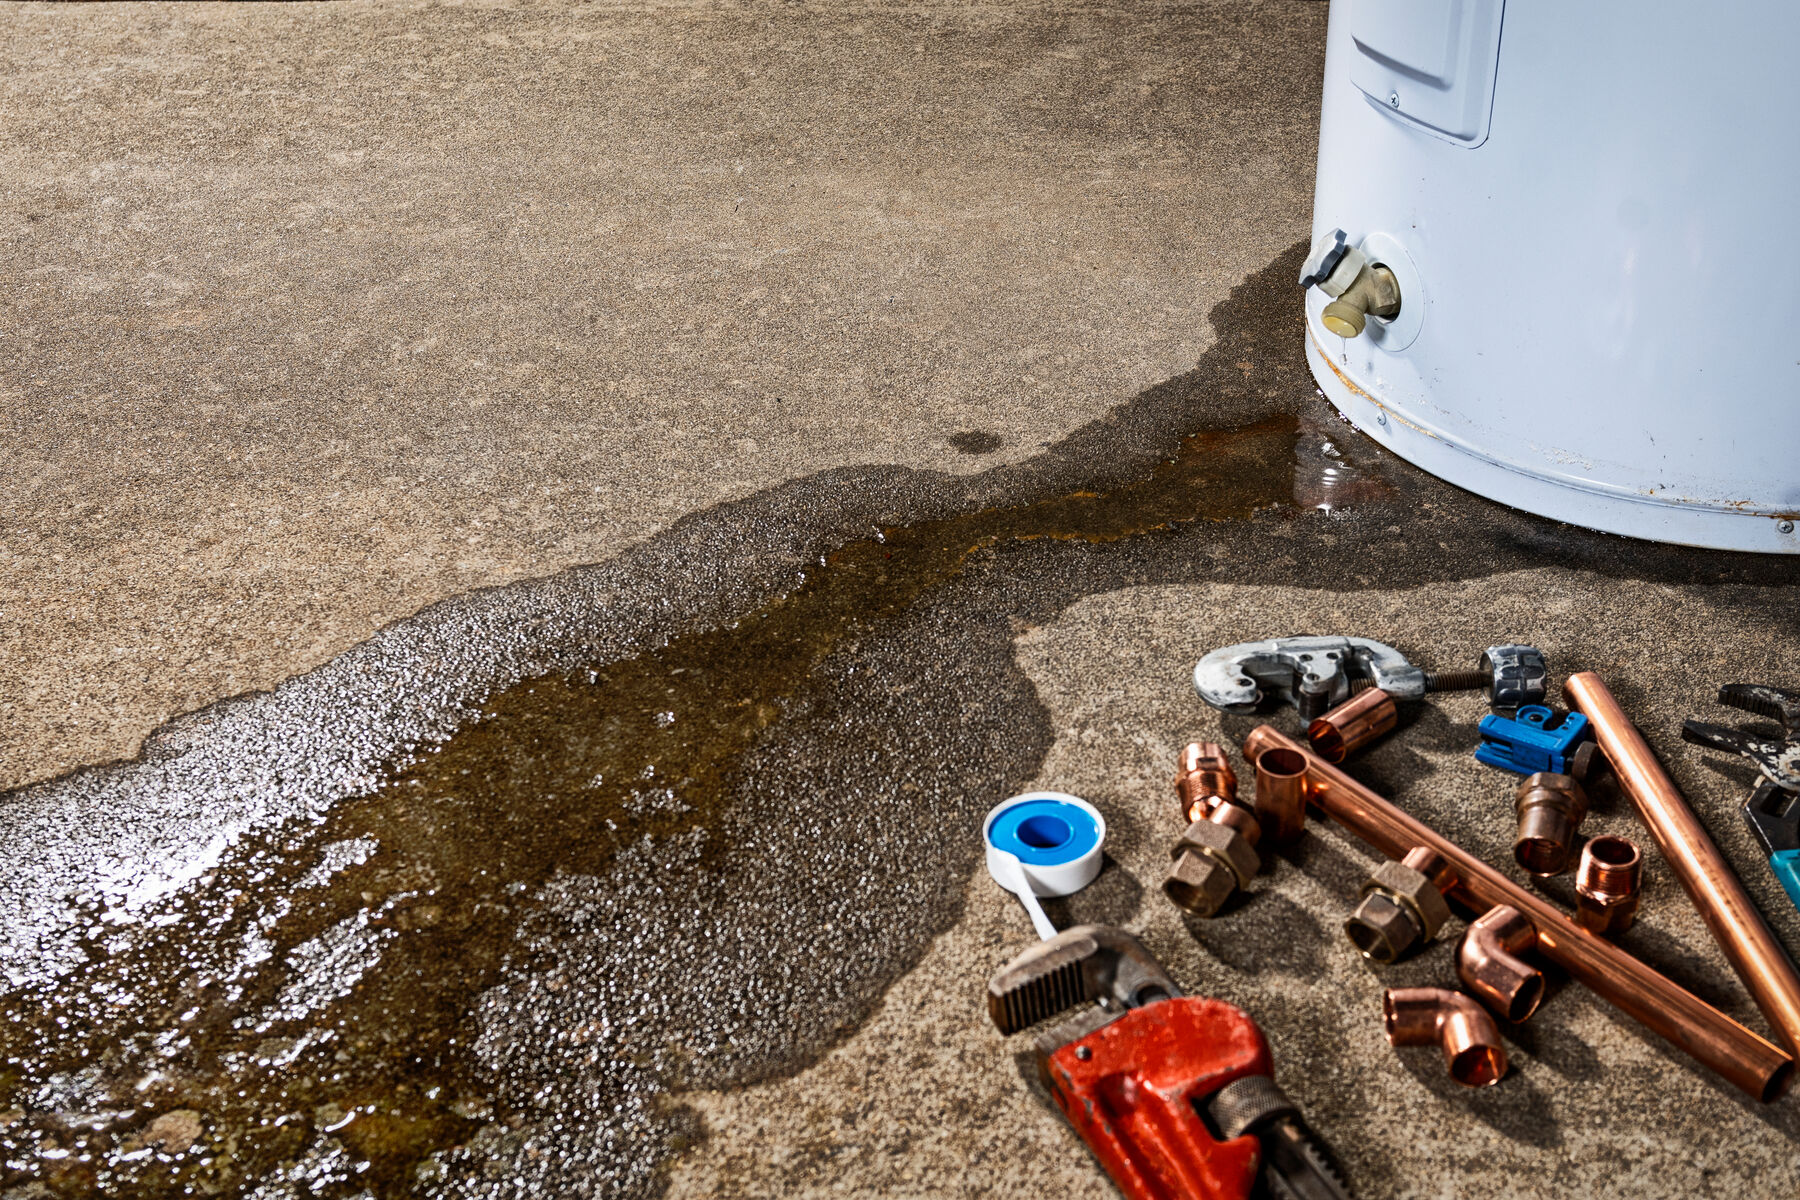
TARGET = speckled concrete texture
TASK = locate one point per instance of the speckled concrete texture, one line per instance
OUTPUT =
(314, 314)
(927, 1100)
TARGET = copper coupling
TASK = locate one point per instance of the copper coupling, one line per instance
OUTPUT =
(1606, 885)
(1490, 967)
(1214, 858)
(1551, 808)
(1350, 726)
(1281, 793)
(1204, 778)
(1461, 1027)
(1402, 906)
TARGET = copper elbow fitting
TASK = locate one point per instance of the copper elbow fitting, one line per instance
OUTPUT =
(1203, 779)
(1490, 967)
(1606, 885)
(1551, 808)
(1281, 793)
(1352, 725)
(1468, 1036)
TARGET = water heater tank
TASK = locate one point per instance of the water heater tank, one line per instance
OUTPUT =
(1590, 212)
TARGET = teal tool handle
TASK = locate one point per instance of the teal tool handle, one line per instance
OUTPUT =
(1786, 865)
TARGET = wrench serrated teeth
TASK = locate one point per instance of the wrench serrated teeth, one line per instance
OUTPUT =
(1040, 998)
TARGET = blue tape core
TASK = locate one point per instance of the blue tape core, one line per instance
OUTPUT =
(1044, 833)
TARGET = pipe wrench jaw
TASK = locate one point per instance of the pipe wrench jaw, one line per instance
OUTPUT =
(1085, 964)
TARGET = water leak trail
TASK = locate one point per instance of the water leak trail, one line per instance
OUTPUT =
(692, 861)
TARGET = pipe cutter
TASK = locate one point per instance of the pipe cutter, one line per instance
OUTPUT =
(1174, 1094)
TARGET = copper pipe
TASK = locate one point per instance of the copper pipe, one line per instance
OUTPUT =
(1490, 967)
(1204, 778)
(1281, 792)
(1551, 808)
(1352, 725)
(1734, 921)
(1750, 1062)
(1471, 1044)
(1606, 885)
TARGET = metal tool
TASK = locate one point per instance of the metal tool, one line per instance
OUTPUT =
(1174, 1094)
(1538, 738)
(1317, 673)
(1773, 810)
(1519, 675)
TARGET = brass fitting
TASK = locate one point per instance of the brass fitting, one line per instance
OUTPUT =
(1550, 808)
(1402, 906)
(1281, 794)
(1468, 1036)
(1214, 858)
(1204, 779)
(1606, 885)
(1352, 725)
(1490, 967)
(1375, 293)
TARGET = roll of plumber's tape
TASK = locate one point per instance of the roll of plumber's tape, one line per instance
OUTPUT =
(1049, 842)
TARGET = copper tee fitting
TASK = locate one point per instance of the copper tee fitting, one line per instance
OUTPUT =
(1470, 1041)
(1606, 885)
(1551, 808)
(1402, 906)
(1204, 779)
(1281, 793)
(1490, 967)
(1352, 725)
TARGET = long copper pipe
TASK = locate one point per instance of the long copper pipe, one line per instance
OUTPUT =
(1753, 1064)
(1726, 908)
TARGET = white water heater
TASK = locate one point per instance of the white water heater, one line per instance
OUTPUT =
(1590, 214)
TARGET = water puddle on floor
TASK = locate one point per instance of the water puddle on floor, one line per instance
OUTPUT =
(481, 976)
(323, 982)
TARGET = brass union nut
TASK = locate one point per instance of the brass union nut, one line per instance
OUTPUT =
(1401, 909)
(1212, 861)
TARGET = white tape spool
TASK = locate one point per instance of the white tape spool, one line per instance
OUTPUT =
(1043, 844)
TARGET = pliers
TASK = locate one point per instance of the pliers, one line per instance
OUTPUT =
(1773, 810)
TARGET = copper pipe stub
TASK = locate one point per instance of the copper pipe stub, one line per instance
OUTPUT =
(1606, 885)
(1352, 725)
(1461, 1027)
(1688, 1022)
(1203, 779)
(1551, 808)
(1490, 967)
(1281, 793)
(1733, 919)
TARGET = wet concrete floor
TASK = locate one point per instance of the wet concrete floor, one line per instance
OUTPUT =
(468, 910)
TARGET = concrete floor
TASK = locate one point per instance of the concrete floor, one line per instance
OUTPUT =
(320, 317)
(317, 314)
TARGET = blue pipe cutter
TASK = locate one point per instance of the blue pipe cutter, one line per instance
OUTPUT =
(1773, 810)
(1537, 740)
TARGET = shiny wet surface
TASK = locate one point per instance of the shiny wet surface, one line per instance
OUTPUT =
(692, 855)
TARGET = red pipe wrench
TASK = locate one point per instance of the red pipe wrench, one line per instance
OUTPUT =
(1174, 1094)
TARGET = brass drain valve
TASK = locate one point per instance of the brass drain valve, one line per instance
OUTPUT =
(1359, 289)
